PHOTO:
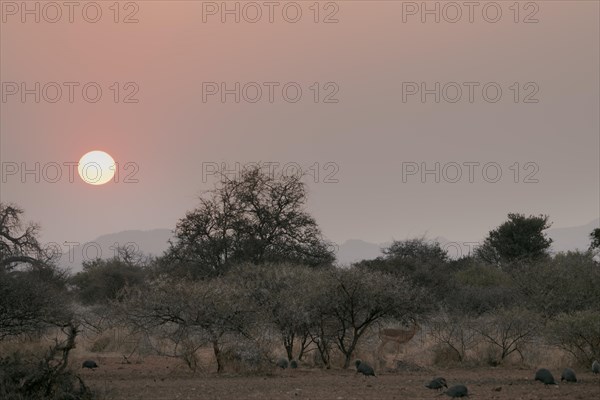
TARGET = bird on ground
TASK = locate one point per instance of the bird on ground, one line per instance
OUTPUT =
(545, 376)
(293, 364)
(457, 391)
(91, 364)
(282, 363)
(596, 367)
(364, 368)
(568, 375)
(437, 384)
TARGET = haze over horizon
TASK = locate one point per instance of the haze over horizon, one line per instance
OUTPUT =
(154, 242)
(368, 144)
(416, 232)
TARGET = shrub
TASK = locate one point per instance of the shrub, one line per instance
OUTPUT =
(245, 356)
(578, 334)
(100, 344)
(454, 336)
(506, 331)
(30, 378)
(444, 354)
(44, 377)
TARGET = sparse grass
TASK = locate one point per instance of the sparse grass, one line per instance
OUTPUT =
(100, 344)
(418, 361)
(252, 359)
(444, 355)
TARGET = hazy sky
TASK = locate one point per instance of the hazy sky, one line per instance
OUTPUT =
(376, 61)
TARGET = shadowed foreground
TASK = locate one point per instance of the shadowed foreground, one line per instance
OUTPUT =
(158, 379)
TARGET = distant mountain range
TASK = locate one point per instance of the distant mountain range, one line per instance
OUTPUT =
(563, 239)
(155, 242)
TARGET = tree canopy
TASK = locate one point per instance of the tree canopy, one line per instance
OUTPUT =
(32, 288)
(254, 218)
(519, 239)
(19, 244)
(595, 239)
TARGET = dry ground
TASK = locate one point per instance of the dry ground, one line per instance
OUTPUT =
(165, 378)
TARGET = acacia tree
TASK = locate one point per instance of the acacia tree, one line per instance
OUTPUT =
(361, 298)
(453, 331)
(565, 283)
(19, 243)
(508, 330)
(577, 333)
(29, 304)
(32, 290)
(188, 313)
(102, 280)
(33, 298)
(279, 293)
(424, 262)
(415, 251)
(408, 257)
(254, 218)
(520, 239)
(322, 326)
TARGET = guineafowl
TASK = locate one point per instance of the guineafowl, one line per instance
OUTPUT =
(545, 376)
(568, 375)
(457, 391)
(364, 368)
(596, 367)
(282, 363)
(91, 364)
(437, 384)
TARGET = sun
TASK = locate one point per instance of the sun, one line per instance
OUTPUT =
(96, 167)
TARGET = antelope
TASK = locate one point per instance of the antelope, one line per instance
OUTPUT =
(398, 336)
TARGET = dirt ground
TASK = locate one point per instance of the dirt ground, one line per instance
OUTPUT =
(165, 378)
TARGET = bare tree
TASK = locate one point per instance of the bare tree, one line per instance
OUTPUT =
(455, 332)
(31, 288)
(254, 218)
(46, 376)
(19, 243)
(279, 294)
(508, 330)
(360, 298)
(188, 311)
(322, 326)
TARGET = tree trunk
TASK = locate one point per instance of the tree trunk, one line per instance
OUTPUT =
(350, 350)
(324, 353)
(288, 343)
(217, 352)
(325, 357)
(303, 346)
